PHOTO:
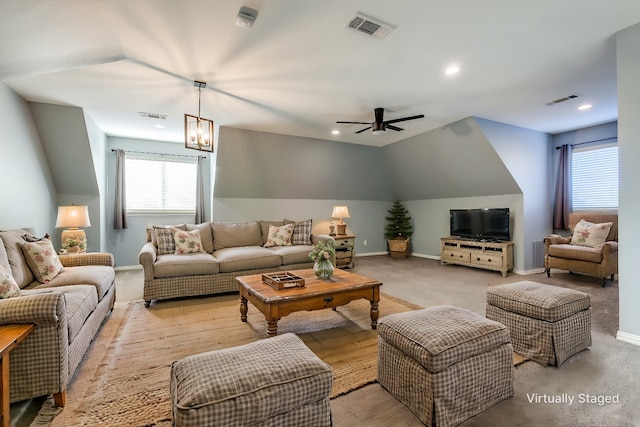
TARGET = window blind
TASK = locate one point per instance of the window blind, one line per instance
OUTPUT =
(166, 186)
(594, 175)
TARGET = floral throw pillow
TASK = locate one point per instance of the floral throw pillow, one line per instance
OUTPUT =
(42, 260)
(301, 232)
(279, 236)
(8, 286)
(187, 242)
(589, 234)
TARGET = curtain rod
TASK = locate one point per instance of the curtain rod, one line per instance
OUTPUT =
(113, 150)
(589, 142)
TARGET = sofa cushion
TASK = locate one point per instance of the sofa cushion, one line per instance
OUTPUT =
(42, 260)
(100, 277)
(589, 234)
(576, 252)
(187, 242)
(8, 286)
(235, 234)
(20, 271)
(206, 235)
(185, 265)
(301, 232)
(296, 254)
(80, 302)
(246, 258)
(279, 236)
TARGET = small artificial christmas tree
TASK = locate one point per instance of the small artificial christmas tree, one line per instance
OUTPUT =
(399, 222)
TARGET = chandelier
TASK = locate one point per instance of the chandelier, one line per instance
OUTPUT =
(198, 132)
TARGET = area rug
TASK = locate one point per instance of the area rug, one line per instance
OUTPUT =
(124, 378)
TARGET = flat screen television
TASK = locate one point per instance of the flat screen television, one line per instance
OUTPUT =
(480, 224)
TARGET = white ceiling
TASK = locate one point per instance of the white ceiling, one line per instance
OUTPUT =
(299, 70)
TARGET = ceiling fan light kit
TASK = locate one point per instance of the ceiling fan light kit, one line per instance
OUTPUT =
(198, 131)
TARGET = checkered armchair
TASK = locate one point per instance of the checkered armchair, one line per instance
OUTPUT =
(600, 260)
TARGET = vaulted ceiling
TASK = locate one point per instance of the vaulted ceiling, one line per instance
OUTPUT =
(298, 70)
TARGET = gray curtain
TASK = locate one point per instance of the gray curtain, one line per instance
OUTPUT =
(563, 190)
(120, 203)
(200, 211)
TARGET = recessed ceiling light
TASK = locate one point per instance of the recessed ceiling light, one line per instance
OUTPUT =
(453, 69)
(159, 126)
(335, 132)
(585, 107)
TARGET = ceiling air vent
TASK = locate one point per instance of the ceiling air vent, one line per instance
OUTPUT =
(369, 26)
(563, 99)
(153, 115)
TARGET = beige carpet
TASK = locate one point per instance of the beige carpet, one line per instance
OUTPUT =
(125, 375)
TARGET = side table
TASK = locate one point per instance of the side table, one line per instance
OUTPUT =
(10, 337)
(345, 250)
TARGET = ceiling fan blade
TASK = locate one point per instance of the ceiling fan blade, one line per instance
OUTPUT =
(393, 127)
(403, 119)
(362, 130)
(358, 123)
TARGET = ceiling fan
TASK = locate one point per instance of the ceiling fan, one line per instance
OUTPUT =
(380, 125)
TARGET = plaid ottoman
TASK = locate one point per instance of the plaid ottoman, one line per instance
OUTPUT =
(275, 381)
(548, 324)
(444, 363)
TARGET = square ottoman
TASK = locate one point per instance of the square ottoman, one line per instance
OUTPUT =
(274, 381)
(445, 363)
(548, 324)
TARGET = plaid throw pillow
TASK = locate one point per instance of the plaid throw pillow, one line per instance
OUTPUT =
(164, 239)
(301, 232)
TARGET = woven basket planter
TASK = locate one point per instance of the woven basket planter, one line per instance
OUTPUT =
(399, 247)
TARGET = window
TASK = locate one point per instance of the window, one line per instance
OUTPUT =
(160, 185)
(594, 177)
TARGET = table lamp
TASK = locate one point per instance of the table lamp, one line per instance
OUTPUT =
(72, 217)
(340, 212)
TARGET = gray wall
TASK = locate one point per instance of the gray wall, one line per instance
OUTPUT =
(28, 192)
(456, 160)
(64, 134)
(526, 154)
(260, 165)
(628, 56)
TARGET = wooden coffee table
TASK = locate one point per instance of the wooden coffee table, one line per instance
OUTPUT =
(317, 294)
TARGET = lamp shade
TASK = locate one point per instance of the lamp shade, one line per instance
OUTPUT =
(340, 212)
(73, 217)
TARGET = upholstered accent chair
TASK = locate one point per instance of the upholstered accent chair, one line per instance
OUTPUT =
(578, 254)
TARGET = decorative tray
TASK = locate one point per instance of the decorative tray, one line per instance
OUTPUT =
(283, 280)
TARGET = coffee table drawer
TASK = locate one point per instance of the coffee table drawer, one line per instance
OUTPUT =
(324, 301)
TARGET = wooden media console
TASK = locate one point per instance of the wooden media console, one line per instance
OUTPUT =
(496, 256)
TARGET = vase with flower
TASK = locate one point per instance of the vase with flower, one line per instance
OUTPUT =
(323, 255)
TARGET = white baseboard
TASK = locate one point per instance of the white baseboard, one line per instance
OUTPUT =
(370, 254)
(630, 338)
(128, 267)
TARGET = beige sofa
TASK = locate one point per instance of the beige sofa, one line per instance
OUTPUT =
(229, 249)
(599, 260)
(67, 311)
